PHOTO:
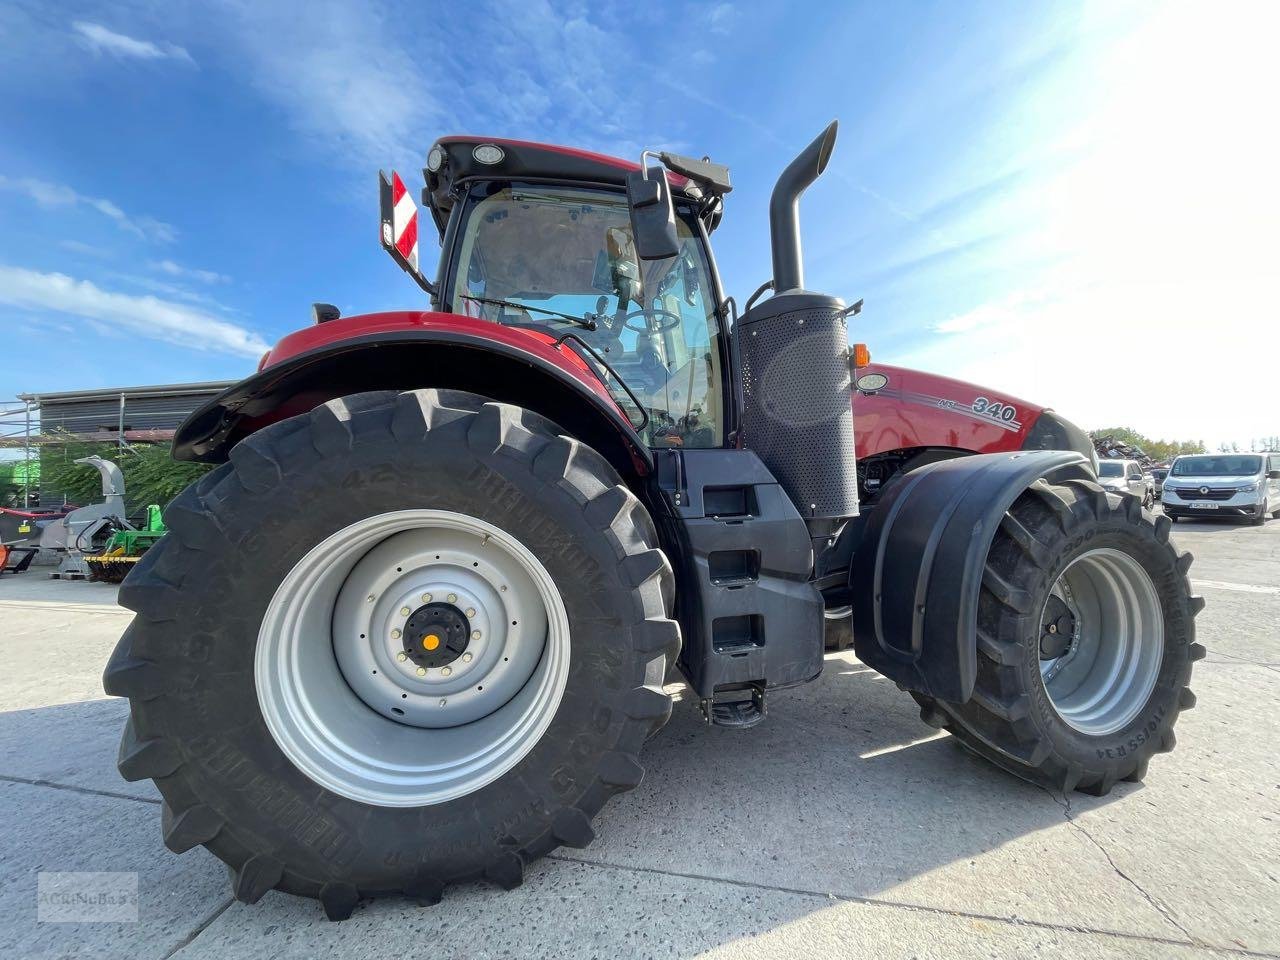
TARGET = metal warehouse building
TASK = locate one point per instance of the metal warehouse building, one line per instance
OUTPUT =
(124, 414)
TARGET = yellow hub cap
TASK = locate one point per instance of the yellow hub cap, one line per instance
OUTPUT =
(430, 641)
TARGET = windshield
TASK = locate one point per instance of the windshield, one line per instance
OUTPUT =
(1217, 466)
(1110, 468)
(528, 250)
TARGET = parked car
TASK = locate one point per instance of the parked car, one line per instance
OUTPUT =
(1125, 476)
(1222, 484)
(1157, 480)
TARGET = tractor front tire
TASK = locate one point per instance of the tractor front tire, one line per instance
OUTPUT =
(291, 735)
(1086, 638)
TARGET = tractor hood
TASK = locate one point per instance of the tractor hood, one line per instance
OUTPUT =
(896, 408)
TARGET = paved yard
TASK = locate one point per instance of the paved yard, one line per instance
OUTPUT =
(840, 827)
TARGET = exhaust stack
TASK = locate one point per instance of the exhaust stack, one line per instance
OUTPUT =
(793, 351)
(784, 209)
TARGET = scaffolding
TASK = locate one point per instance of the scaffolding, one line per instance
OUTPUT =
(119, 416)
(15, 433)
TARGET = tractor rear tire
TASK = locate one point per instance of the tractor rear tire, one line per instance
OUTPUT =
(1099, 710)
(212, 721)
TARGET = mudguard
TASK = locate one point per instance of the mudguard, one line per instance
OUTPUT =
(402, 351)
(917, 571)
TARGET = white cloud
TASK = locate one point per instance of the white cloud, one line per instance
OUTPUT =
(721, 17)
(342, 75)
(371, 88)
(81, 248)
(177, 270)
(52, 195)
(143, 316)
(99, 39)
(1139, 261)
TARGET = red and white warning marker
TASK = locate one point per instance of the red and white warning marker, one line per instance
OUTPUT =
(400, 225)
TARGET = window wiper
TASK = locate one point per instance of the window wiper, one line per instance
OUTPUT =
(588, 322)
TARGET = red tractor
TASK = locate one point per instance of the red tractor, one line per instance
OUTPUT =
(416, 627)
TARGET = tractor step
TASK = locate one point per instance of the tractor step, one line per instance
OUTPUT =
(742, 712)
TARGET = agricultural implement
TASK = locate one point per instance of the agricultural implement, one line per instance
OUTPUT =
(125, 548)
(416, 626)
(84, 531)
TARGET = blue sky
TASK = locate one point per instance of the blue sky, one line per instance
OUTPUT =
(1074, 202)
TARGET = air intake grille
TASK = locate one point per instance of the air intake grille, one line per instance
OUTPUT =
(1193, 493)
(797, 411)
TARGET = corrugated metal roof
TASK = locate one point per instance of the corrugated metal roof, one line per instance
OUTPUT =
(104, 393)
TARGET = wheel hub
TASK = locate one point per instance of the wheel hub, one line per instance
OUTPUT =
(436, 634)
(412, 657)
(1057, 630)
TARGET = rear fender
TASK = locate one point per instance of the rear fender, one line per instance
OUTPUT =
(916, 574)
(413, 359)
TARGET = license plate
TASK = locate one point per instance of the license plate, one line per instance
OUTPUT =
(24, 528)
(1203, 505)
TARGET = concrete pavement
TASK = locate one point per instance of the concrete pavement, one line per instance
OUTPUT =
(840, 827)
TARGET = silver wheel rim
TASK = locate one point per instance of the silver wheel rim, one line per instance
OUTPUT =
(335, 669)
(1104, 678)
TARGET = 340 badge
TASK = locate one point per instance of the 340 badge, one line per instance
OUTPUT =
(996, 410)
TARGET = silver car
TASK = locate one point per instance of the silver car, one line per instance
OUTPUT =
(1126, 476)
(1224, 485)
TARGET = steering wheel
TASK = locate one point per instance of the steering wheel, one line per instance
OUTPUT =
(673, 320)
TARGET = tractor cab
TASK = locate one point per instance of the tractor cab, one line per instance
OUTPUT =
(541, 238)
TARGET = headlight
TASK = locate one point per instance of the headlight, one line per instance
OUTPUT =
(1247, 488)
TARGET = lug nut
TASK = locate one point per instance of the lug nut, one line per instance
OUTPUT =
(475, 634)
(453, 598)
(405, 611)
(395, 634)
(471, 611)
(426, 598)
(446, 671)
(422, 671)
(369, 599)
(443, 702)
(503, 588)
(402, 657)
(467, 658)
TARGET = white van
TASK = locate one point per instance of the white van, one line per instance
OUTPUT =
(1223, 484)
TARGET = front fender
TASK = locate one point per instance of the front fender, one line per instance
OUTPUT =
(560, 387)
(918, 568)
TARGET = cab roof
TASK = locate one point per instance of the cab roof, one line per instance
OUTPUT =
(533, 162)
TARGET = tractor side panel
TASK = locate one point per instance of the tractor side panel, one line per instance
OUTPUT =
(750, 616)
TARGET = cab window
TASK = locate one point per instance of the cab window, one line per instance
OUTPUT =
(528, 253)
